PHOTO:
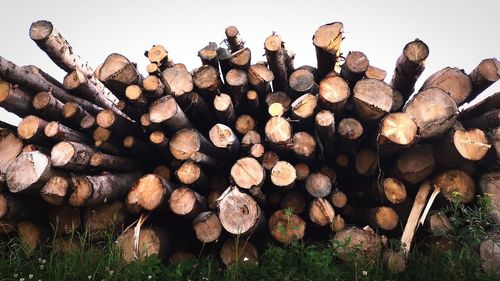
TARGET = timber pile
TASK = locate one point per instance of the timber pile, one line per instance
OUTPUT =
(174, 159)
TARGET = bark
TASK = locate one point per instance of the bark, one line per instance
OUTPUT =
(186, 202)
(58, 132)
(327, 40)
(276, 58)
(118, 124)
(15, 100)
(31, 129)
(318, 185)
(73, 114)
(234, 38)
(489, 185)
(241, 59)
(29, 172)
(453, 81)
(208, 55)
(488, 120)
(107, 162)
(325, 132)
(478, 108)
(260, 78)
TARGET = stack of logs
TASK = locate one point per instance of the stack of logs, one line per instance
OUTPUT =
(240, 151)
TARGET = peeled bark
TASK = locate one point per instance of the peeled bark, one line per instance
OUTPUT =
(29, 172)
(239, 214)
(327, 41)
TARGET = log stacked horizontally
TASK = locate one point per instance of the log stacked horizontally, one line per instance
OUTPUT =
(237, 150)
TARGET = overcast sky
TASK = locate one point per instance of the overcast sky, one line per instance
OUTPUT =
(458, 33)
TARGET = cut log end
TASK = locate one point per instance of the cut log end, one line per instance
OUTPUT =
(471, 144)
(399, 128)
(29, 170)
(283, 174)
(40, 30)
(394, 190)
(386, 218)
(286, 228)
(247, 172)
(207, 227)
(318, 185)
(82, 191)
(238, 212)
(147, 192)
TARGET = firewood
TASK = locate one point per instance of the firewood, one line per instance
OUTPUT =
(302, 170)
(44, 75)
(395, 262)
(250, 138)
(117, 72)
(260, 78)
(132, 111)
(396, 131)
(107, 119)
(333, 94)
(241, 59)
(286, 228)
(409, 66)
(354, 68)
(279, 133)
(257, 151)
(269, 159)
(394, 190)
(94, 190)
(148, 242)
(303, 109)
(224, 139)
(57, 189)
(224, 109)
(488, 184)
(207, 80)
(487, 120)
(318, 185)
(223, 56)
(304, 146)
(12, 207)
(484, 75)
(190, 144)
(58, 132)
(295, 201)
(29, 172)
(14, 99)
(237, 82)
(234, 38)
(301, 82)
(208, 55)
(32, 235)
(373, 72)
(453, 81)
(108, 162)
(281, 98)
(108, 147)
(73, 114)
(186, 202)
(372, 99)
(166, 111)
(276, 57)
(71, 155)
(321, 212)
(191, 174)
(31, 129)
(252, 99)
(489, 251)
(152, 68)
(103, 220)
(478, 108)
(415, 164)
(159, 56)
(247, 172)
(180, 82)
(327, 40)
(239, 214)
(65, 219)
(239, 251)
(10, 147)
(244, 123)
(148, 193)
(207, 227)
(283, 175)
(433, 110)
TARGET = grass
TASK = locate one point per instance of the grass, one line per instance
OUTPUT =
(297, 261)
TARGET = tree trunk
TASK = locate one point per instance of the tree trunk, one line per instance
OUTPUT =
(159, 56)
(327, 40)
(148, 193)
(29, 172)
(239, 214)
(71, 155)
(180, 82)
(354, 68)
(269, 159)
(301, 82)
(224, 109)
(394, 190)
(58, 132)
(484, 75)
(478, 108)
(208, 55)
(148, 242)
(15, 100)
(489, 185)
(303, 109)
(372, 99)
(453, 81)
(304, 146)
(166, 111)
(207, 80)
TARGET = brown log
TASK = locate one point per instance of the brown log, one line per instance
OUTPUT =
(191, 173)
(88, 123)
(257, 151)
(247, 173)
(152, 68)
(241, 59)
(304, 107)
(252, 99)
(354, 68)
(396, 131)
(321, 212)
(234, 38)
(66, 220)
(438, 224)
(372, 99)
(93, 190)
(373, 72)
(14, 208)
(159, 56)
(433, 110)
(249, 139)
(318, 185)
(260, 78)
(409, 66)
(161, 141)
(10, 147)
(239, 214)
(208, 55)
(14, 99)
(327, 40)
(117, 72)
(47, 106)
(153, 86)
(102, 134)
(57, 189)
(190, 144)
(366, 162)
(58, 132)
(141, 243)
(453, 81)
(207, 80)
(283, 175)
(269, 159)
(484, 75)
(293, 201)
(74, 114)
(212, 199)
(244, 123)
(385, 218)
(489, 251)
(32, 235)
(103, 220)
(207, 227)
(394, 190)
(276, 58)
(339, 199)
(237, 81)
(107, 119)
(325, 132)
(333, 94)
(29, 172)
(484, 105)
(148, 193)
(37, 71)
(224, 139)
(71, 155)
(31, 129)
(186, 202)
(397, 101)
(488, 184)
(395, 262)
(487, 120)
(162, 171)
(224, 109)
(286, 228)
(223, 56)
(280, 98)
(350, 129)
(166, 111)
(279, 132)
(108, 162)
(239, 252)
(302, 171)
(301, 82)
(415, 164)
(180, 81)
(136, 96)
(363, 243)
(304, 146)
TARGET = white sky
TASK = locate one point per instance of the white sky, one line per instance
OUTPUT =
(458, 33)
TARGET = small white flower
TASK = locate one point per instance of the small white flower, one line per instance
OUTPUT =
(149, 277)
(15, 275)
(42, 267)
(365, 272)
(39, 259)
(39, 279)
(30, 276)
(89, 277)
(111, 272)
(44, 261)
(245, 259)
(21, 279)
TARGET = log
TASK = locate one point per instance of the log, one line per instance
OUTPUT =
(237, 82)
(223, 56)
(252, 99)
(339, 199)
(224, 109)
(159, 56)
(241, 59)
(44, 75)
(302, 171)
(484, 75)
(66, 220)
(234, 38)
(283, 175)
(94, 190)
(207, 81)
(29, 172)
(433, 110)
(237, 252)
(73, 114)
(58, 132)
(104, 220)
(161, 141)
(489, 251)
(10, 147)
(14, 99)
(285, 227)
(191, 174)
(88, 124)
(71, 155)
(439, 224)
(333, 94)
(350, 129)
(30, 80)
(260, 78)
(279, 98)
(163, 171)
(180, 81)
(117, 72)
(293, 201)
(249, 139)
(276, 58)
(186, 202)
(269, 159)
(488, 120)
(318, 185)
(107, 119)
(453, 81)
(373, 72)
(244, 124)
(208, 55)
(366, 162)
(150, 242)
(325, 131)
(57, 189)
(257, 151)
(415, 164)
(396, 131)
(31, 129)
(239, 214)
(32, 235)
(327, 40)
(394, 190)
(478, 108)
(136, 96)
(321, 212)
(301, 82)
(488, 184)
(354, 68)
(304, 146)
(154, 87)
(247, 173)
(14, 208)
(303, 109)
(409, 66)
(385, 218)
(359, 243)
(223, 138)
(279, 133)
(107, 162)
(207, 227)
(166, 111)
(372, 99)
(397, 101)
(190, 144)
(148, 193)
